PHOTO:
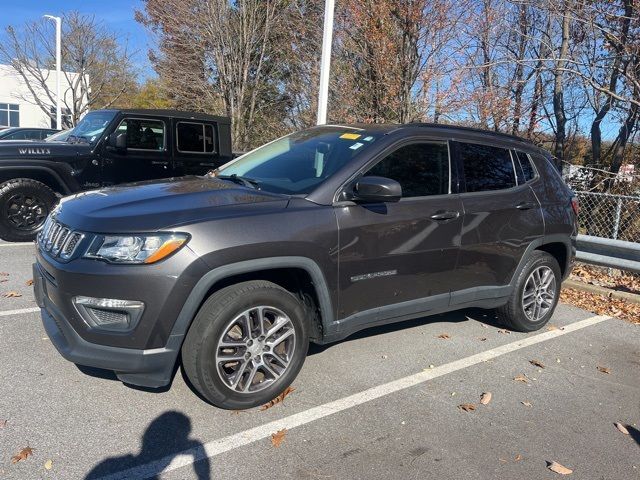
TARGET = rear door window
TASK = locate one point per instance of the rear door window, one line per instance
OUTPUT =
(486, 168)
(422, 169)
(195, 137)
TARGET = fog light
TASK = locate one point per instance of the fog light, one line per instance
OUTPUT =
(108, 313)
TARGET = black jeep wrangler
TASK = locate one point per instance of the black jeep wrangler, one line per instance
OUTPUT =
(107, 147)
(311, 237)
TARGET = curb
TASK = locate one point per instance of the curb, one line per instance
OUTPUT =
(607, 292)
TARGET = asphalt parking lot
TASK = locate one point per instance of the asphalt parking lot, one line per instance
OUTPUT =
(381, 404)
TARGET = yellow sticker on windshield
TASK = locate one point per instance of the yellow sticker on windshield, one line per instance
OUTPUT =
(350, 136)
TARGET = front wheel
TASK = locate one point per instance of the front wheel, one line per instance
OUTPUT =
(24, 206)
(246, 344)
(535, 294)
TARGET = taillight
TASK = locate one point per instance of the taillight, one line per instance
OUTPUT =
(575, 205)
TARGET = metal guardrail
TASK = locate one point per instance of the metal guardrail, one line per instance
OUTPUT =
(607, 252)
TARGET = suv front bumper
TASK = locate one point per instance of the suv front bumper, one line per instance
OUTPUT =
(146, 368)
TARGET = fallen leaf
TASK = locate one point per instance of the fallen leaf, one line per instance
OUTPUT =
(504, 331)
(4, 281)
(521, 378)
(483, 339)
(22, 454)
(502, 460)
(561, 469)
(485, 398)
(467, 407)
(4, 274)
(279, 399)
(235, 412)
(278, 437)
(11, 294)
(48, 465)
(444, 336)
(537, 363)
(3, 423)
(604, 370)
(621, 428)
(552, 327)
(527, 404)
(28, 283)
(518, 458)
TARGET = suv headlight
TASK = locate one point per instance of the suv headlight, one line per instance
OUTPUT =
(136, 249)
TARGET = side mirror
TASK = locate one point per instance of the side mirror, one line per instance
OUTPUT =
(376, 190)
(118, 140)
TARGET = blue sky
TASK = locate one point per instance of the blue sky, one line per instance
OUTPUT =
(117, 15)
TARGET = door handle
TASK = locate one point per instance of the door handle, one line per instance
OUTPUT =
(445, 215)
(526, 206)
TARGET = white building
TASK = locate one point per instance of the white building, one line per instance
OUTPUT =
(17, 105)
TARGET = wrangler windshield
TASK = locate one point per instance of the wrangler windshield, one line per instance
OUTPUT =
(90, 128)
(297, 163)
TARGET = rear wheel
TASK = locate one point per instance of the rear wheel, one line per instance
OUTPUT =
(246, 345)
(535, 295)
(24, 206)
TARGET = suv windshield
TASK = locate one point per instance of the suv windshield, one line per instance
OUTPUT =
(297, 163)
(91, 127)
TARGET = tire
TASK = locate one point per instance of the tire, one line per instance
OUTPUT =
(514, 315)
(218, 319)
(36, 200)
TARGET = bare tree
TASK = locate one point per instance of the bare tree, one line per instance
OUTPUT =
(225, 50)
(389, 57)
(97, 66)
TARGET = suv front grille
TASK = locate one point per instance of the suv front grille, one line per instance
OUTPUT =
(58, 240)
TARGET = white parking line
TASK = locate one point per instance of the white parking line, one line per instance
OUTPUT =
(231, 442)
(6, 313)
(16, 244)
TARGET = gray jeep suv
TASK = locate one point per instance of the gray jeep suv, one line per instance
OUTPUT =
(311, 237)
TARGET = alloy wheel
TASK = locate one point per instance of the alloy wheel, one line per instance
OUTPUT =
(539, 293)
(255, 349)
(26, 212)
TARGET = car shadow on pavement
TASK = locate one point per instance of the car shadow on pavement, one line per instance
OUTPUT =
(166, 437)
(488, 317)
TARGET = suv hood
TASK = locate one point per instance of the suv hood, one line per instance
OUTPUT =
(24, 149)
(162, 204)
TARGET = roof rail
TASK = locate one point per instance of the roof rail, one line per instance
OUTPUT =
(469, 129)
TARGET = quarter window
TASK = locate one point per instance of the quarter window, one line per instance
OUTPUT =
(195, 137)
(143, 134)
(526, 171)
(9, 115)
(421, 169)
(486, 168)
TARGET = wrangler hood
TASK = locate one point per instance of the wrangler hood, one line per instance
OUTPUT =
(16, 150)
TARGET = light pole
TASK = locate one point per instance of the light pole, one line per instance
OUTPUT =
(325, 61)
(58, 21)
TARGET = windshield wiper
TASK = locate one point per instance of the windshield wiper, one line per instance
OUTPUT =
(240, 180)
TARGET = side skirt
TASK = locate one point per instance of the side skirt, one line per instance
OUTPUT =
(481, 297)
